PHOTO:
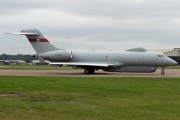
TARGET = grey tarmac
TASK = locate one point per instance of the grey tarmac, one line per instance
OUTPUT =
(80, 73)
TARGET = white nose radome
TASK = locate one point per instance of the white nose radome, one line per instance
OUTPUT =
(172, 62)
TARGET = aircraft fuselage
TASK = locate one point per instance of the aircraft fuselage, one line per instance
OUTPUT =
(119, 58)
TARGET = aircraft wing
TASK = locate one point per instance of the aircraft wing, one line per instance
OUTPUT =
(84, 64)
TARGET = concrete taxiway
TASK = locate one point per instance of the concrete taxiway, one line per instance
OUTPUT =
(79, 73)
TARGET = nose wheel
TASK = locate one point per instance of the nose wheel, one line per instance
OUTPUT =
(162, 71)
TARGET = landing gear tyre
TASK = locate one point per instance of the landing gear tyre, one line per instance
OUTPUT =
(86, 71)
(162, 73)
(89, 71)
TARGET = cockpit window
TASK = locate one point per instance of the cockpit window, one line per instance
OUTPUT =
(160, 55)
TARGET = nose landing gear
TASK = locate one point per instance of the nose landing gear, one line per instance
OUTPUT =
(162, 71)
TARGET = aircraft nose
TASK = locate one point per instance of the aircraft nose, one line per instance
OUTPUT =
(172, 62)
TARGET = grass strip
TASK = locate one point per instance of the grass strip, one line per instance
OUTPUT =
(44, 98)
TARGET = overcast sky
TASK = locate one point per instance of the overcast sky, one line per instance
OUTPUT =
(91, 24)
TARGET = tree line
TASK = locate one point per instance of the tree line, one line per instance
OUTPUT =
(26, 58)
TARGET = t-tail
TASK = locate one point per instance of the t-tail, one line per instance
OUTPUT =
(39, 42)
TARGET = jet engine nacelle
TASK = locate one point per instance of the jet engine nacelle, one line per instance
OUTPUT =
(143, 69)
(59, 55)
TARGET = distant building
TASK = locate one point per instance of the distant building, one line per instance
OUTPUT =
(175, 52)
(18, 62)
(34, 62)
(7, 62)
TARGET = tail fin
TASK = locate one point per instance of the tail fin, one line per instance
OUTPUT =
(37, 40)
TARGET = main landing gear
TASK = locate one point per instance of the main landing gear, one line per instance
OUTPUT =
(162, 71)
(89, 71)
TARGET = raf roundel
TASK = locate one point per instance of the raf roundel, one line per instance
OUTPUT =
(38, 40)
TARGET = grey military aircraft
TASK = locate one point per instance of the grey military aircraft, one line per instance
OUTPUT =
(132, 60)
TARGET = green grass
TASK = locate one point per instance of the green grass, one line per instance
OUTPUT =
(173, 67)
(68, 98)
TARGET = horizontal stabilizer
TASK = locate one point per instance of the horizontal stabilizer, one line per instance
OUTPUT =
(23, 33)
(39, 42)
(83, 64)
